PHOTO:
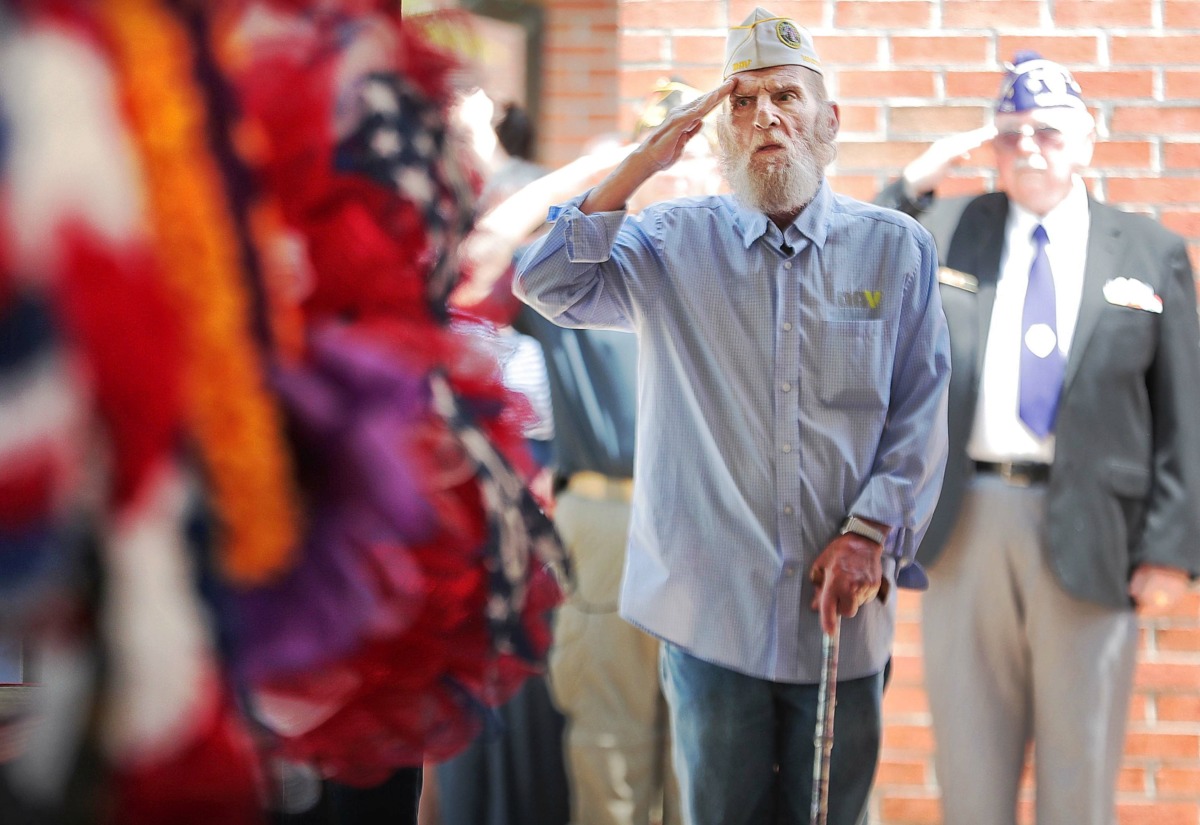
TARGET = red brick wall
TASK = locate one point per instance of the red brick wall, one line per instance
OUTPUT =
(580, 67)
(906, 72)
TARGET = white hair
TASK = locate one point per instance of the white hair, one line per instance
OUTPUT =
(788, 185)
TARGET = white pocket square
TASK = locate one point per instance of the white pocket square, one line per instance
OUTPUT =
(1132, 293)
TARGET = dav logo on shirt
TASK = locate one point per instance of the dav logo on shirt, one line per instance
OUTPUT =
(868, 299)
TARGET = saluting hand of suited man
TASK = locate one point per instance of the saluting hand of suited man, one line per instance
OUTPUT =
(925, 172)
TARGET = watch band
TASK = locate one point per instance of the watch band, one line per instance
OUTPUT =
(853, 524)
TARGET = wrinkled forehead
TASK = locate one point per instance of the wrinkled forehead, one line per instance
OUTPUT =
(773, 79)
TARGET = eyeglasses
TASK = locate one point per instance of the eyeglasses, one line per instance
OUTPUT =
(1046, 137)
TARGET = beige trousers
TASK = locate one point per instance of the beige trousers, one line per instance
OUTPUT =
(604, 679)
(1012, 661)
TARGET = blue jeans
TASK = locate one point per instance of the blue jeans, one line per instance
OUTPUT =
(744, 746)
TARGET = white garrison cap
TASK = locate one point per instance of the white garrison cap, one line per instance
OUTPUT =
(764, 40)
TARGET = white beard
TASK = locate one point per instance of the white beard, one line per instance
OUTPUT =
(775, 185)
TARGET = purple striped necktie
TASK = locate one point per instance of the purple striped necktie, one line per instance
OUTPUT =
(1042, 362)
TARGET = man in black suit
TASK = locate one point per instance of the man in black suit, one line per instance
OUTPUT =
(1069, 504)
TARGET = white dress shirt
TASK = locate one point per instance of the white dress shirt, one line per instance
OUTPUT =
(998, 433)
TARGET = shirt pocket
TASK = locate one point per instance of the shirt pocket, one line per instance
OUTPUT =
(849, 364)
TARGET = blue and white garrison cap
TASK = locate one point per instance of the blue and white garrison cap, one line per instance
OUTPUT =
(764, 40)
(1032, 82)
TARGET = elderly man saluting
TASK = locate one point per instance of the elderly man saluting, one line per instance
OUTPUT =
(791, 426)
(1070, 496)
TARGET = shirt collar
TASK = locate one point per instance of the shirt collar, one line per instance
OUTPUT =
(812, 222)
(1063, 221)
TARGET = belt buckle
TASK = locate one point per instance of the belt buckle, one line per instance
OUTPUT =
(1014, 476)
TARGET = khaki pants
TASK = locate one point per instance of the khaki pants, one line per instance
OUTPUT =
(604, 679)
(1012, 661)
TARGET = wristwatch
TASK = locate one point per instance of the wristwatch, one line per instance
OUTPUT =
(853, 524)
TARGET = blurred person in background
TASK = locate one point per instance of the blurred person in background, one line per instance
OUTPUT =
(603, 671)
(513, 165)
(791, 386)
(512, 773)
(1069, 501)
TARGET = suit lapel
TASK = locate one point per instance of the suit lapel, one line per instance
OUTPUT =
(976, 248)
(1103, 257)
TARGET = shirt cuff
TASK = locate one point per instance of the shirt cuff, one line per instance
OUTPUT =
(915, 207)
(588, 238)
(912, 576)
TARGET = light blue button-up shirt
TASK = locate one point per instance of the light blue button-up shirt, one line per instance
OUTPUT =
(777, 394)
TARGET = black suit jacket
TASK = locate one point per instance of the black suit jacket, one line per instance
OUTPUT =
(1125, 483)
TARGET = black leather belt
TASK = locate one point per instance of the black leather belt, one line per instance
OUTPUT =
(1018, 473)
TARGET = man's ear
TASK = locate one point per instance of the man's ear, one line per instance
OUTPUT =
(833, 120)
(1083, 146)
(1086, 148)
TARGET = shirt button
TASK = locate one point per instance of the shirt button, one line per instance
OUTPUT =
(787, 326)
(787, 264)
(787, 448)
(789, 570)
(786, 387)
(787, 509)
